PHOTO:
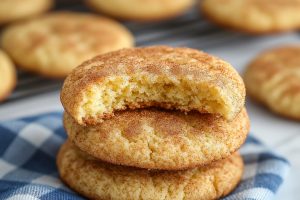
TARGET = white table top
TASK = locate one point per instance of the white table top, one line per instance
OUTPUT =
(278, 133)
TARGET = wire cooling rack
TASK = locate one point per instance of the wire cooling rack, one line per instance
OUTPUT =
(189, 30)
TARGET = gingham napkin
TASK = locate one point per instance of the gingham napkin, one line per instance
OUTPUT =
(28, 148)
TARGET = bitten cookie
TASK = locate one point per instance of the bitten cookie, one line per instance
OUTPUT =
(171, 78)
(54, 44)
(160, 140)
(273, 79)
(254, 16)
(8, 75)
(98, 180)
(141, 10)
(12, 10)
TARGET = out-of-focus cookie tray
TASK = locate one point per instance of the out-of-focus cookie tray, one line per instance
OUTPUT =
(188, 30)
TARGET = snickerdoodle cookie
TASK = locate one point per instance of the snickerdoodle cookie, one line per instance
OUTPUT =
(98, 180)
(153, 139)
(254, 16)
(53, 44)
(273, 79)
(8, 75)
(12, 10)
(141, 10)
(171, 78)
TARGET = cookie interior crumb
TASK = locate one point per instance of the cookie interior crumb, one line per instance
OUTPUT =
(117, 93)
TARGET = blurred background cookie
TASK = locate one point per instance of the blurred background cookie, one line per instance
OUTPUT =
(98, 180)
(11, 10)
(53, 44)
(273, 79)
(165, 140)
(254, 16)
(8, 76)
(141, 10)
(159, 76)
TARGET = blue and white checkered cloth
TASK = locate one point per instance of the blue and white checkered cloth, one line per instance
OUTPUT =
(28, 148)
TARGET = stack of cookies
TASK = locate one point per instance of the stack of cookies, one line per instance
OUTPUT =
(153, 123)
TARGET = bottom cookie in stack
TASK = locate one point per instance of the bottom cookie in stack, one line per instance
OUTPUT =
(99, 180)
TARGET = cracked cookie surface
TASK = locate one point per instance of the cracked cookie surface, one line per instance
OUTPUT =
(254, 16)
(54, 44)
(158, 76)
(273, 79)
(98, 180)
(156, 139)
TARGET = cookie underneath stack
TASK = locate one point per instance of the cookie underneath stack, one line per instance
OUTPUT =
(153, 148)
(99, 180)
